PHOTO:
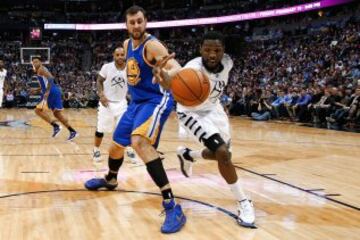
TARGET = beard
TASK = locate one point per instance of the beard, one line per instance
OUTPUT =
(119, 62)
(212, 68)
(137, 37)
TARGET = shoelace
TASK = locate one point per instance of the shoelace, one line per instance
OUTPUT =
(162, 213)
(246, 208)
(167, 219)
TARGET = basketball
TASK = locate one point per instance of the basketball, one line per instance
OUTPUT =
(190, 87)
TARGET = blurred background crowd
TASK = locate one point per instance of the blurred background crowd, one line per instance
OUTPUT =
(303, 68)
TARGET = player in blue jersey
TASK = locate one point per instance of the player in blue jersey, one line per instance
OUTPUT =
(50, 98)
(142, 123)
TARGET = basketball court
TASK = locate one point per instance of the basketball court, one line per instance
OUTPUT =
(303, 182)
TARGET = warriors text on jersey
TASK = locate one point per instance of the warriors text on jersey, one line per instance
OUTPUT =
(150, 106)
(139, 73)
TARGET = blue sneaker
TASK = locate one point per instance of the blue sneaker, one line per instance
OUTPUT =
(56, 130)
(72, 136)
(97, 183)
(174, 219)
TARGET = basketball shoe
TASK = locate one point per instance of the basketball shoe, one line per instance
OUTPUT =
(186, 162)
(96, 155)
(246, 216)
(56, 130)
(174, 217)
(72, 135)
(130, 153)
(97, 183)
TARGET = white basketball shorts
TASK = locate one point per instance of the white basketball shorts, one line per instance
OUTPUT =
(204, 124)
(108, 117)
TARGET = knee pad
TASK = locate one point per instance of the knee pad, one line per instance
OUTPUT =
(214, 142)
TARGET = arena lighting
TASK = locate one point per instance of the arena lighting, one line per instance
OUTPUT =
(204, 21)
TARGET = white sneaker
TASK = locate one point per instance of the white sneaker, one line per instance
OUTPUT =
(246, 217)
(96, 155)
(97, 162)
(186, 161)
(130, 153)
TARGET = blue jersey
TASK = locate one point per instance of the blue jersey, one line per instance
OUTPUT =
(43, 81)
(54, 100)
(139, 74)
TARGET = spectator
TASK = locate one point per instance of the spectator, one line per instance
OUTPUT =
(9, 100)
(300, 109)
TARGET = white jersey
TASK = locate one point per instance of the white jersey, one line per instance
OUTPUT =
(115, 85)
(2, 78)
(218, 82)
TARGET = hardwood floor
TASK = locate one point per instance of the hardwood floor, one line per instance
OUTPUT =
(304, 183)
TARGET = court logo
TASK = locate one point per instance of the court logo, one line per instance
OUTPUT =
(15, 124)
(133, 71)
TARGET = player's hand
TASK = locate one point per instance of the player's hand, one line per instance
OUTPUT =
(104, 101)
(160, 74)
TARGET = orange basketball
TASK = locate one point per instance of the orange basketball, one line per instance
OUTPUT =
(190, 87)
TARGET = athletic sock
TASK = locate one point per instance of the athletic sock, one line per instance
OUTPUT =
(71, 129)
(237, 190)
(157, 172)
(114, 166)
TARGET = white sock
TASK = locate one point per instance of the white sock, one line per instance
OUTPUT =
(237, 190)
(196, 154)
(96, 149)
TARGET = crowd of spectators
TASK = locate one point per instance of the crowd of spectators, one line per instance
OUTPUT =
(311, 78)
(108, 12)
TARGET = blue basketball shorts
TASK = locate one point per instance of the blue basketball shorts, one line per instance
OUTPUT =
(54, 101)
(145, 119)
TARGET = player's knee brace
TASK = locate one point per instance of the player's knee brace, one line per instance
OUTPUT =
(214, 142)
(157, 172)
(99, 134)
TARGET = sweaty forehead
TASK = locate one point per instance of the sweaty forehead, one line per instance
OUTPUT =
(212, 43)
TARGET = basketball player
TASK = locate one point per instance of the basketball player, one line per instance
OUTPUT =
(142, 123)
(51, 98)
(209, 124)
(3, 73)
(112, 89)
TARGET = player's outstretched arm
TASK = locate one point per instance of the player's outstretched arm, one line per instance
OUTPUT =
(166, 66)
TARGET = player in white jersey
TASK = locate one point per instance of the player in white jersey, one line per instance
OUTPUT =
(209, 124)
(112, 89)
(3, 73)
